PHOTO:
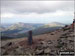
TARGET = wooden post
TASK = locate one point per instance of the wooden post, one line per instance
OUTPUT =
(30, 37)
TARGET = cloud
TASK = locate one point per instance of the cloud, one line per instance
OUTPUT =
(37, 0)
(36, 6)
(37, 11)
(7, 15)
(58, 13)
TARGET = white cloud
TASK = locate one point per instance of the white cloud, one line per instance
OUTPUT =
(58, 13)
(7, 15)
(36, 6)
(36, 10)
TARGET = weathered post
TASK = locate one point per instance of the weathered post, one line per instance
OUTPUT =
(30, 37)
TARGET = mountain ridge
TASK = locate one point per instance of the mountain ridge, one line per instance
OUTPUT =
(20, 29)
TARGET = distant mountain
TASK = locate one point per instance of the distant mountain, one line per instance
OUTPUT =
(20, 26)
(54, 24)
(40, 30)
(6, 25)
(48, 28)
(37, 31)
(17, 27)
(2, 28)
(21, 29)
(43, 30)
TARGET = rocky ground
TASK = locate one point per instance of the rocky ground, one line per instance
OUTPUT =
(53, 43)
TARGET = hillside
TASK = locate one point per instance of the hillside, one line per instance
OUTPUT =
(51, 43)
(11, 29)
(54, 24)
(21, 29)
(19, 26)
(2, 29)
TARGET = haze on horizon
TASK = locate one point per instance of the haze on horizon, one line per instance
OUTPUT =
(37, 11)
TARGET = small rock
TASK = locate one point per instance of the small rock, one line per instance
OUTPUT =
(52, 34)
(2, 51)
(9, 43)
(39, 47)
(39, 52)
(47, 51)
(42, 42)
(49, 42)
(20, 50)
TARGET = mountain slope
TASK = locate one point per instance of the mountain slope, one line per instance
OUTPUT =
(54, 24)
(19, 26)
(21, 29)
(2, 28)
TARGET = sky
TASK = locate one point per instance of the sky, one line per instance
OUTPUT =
(14, 11)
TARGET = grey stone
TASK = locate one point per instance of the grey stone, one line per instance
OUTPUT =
(38, 52)
(47, 51)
